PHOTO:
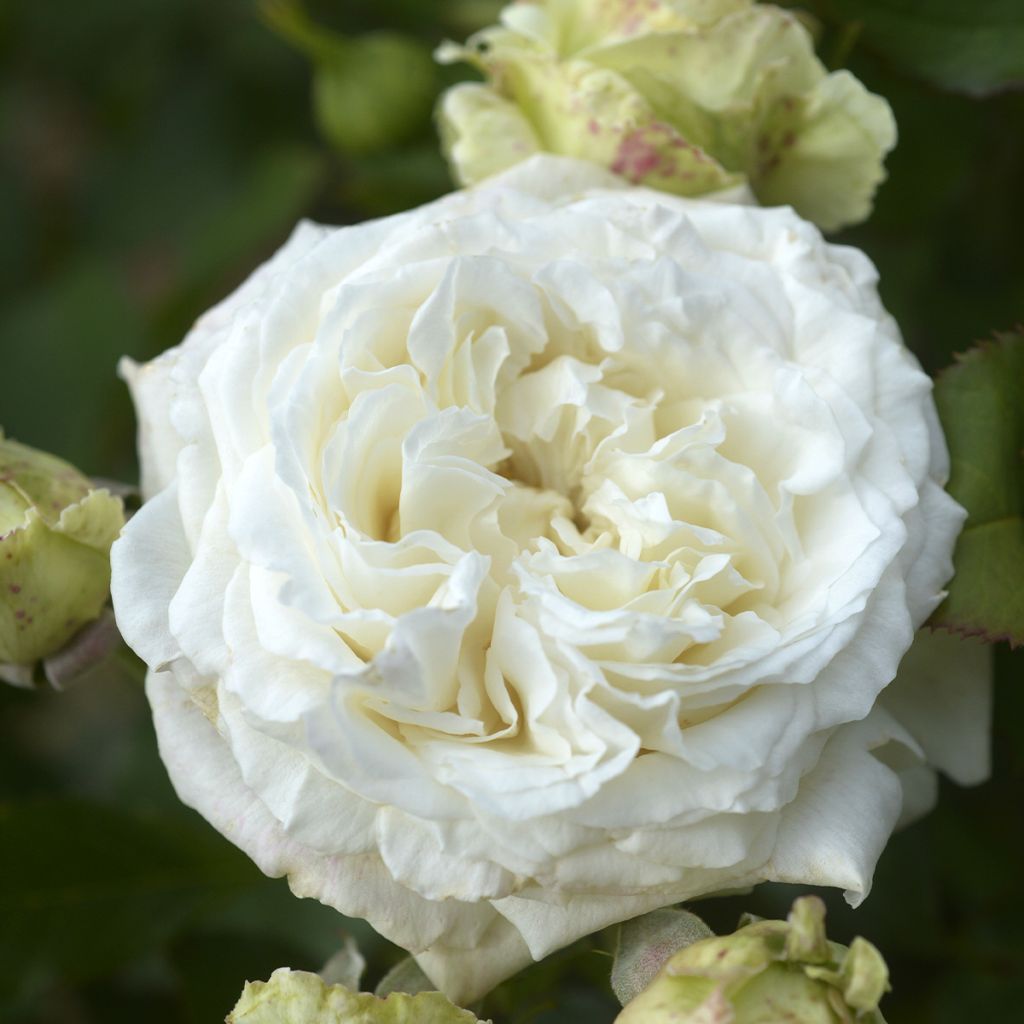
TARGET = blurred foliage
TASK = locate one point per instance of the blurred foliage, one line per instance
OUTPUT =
(975, 47)
(981, 401)
(115, 885)
(155, 151)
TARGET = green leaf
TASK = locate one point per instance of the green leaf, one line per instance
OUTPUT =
(981, 404)
(646, 942)
(85, 887)
(975, 47)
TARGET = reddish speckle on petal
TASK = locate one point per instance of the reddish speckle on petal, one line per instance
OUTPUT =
(593, 127)
(14, 588)
(20, 613)
(636, 157)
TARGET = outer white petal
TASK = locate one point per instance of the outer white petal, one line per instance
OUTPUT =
(467, 972)
(158, 444)
(148, 562)
(358, 885)
(834, 831)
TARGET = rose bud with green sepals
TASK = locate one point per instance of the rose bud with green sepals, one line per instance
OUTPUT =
(766, 972)
(55, 535)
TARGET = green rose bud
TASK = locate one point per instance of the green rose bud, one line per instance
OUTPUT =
(369, 92)
(687, 96)
(55, 537)
(766, 972)
(296, 997)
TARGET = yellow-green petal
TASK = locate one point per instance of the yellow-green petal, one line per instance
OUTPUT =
(826, 157)
(298, 997)
(686, 96)
(864, 975)
(573, 26)
(481, 133)
(55, 538)
(572, 108)
(38, 480)
(805, 939)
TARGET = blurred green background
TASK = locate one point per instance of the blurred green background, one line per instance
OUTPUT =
(153, 152)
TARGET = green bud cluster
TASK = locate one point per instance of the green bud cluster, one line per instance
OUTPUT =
(765, 973)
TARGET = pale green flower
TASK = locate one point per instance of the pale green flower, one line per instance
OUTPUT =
(687, 96)
(767, 972)
(55, 537)
(297, 997)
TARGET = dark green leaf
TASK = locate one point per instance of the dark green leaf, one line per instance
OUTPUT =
(981, 403)
(975, 47)
(84, 887)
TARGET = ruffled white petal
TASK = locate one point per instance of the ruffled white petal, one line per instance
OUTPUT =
(148, 563)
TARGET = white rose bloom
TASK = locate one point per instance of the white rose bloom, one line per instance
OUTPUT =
(539, 557)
